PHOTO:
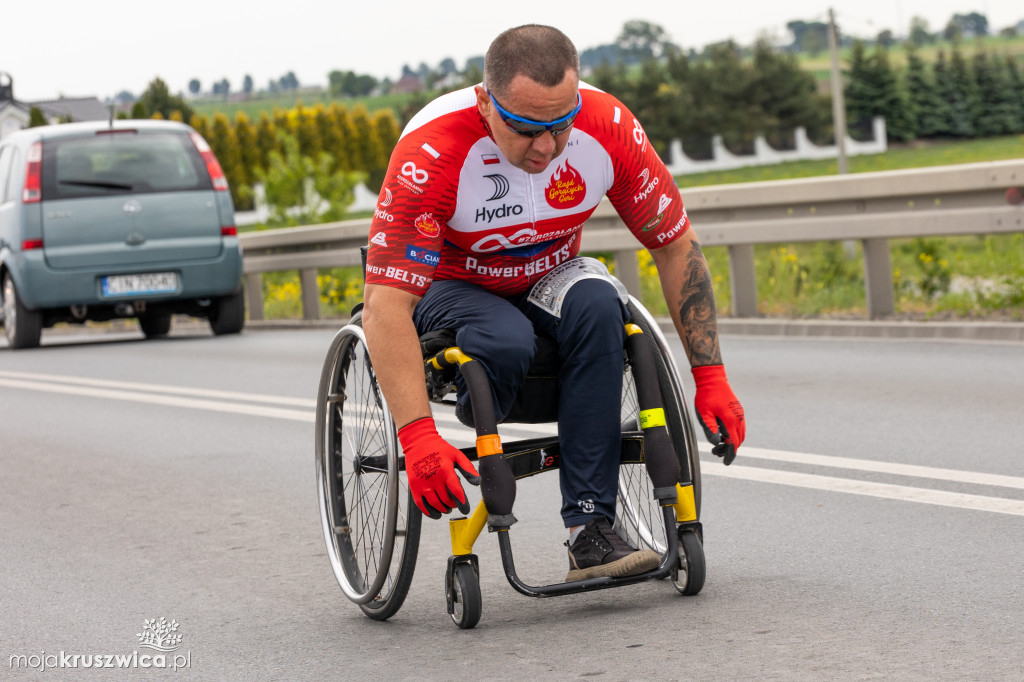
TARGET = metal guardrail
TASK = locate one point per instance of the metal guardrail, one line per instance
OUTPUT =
(980, 198)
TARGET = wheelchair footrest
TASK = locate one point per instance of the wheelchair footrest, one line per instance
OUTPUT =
(558, 589)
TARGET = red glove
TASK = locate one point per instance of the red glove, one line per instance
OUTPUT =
(430, 466)
(717, 405)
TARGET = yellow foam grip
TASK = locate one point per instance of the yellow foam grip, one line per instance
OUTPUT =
(454, 354)
(686, 507)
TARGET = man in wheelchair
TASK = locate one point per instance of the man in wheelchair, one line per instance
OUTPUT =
(478, 228)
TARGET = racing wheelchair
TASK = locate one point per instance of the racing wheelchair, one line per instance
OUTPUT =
(372, 528)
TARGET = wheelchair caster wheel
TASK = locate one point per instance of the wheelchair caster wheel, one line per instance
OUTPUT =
(464, 601)
(689, 571)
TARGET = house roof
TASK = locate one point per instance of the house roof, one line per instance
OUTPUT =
(77, 108)
(13, 104)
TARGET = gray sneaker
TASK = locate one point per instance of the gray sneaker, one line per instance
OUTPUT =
(599, 551)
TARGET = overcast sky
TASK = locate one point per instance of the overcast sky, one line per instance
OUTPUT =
(74, 48)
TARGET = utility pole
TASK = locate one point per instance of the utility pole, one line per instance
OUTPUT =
(838, 103)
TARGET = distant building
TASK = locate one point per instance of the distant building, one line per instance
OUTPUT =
(15, 115)
(408, 83)
(74, 108)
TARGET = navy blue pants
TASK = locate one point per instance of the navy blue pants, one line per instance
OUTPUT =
(500, 333)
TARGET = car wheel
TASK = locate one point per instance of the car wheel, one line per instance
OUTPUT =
(155, 325)
(228, 314)
(22, 327)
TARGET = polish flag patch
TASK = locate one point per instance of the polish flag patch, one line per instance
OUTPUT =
(430, 152)
(490, 159)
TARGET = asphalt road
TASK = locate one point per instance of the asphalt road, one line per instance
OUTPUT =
(871, 527)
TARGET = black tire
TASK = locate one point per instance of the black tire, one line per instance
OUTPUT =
(228, 314)
(22, 327)
(638, 517)
(370, 525)
(466, 598)
(690, 570)
(155, 325)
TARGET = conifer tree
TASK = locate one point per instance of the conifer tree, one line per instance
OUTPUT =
(679, 75)
(249, 155)
(282, 122)
(875, 91)
(330, 136)
(36, 118)
(941, 79)
(731, 89)
(366, 144)
(225, 147)
(1016, 80)
(786, 94)
(653, 101)
(386, 126)
(266, 139)
(201, 125)
(158, 98)
(924, 102)
(858, 93)
(997, 113)
(306, 131)
(348, 155)
(963, 95)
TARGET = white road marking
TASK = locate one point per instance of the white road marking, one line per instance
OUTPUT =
(156, 399)
(884, 490)
(161, 388)
(207, 399)
(913, 470)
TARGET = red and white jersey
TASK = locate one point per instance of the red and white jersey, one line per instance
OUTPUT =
(452, 207)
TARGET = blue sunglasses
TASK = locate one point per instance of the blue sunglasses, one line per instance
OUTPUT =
(530, 128)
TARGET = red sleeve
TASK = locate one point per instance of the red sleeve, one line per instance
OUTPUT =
(643, 191)
(416, 201)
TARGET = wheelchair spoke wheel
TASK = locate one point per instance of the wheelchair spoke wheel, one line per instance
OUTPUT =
(638, 517)
(371, 530)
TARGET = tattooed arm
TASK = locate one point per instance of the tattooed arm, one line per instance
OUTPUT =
(686, 283)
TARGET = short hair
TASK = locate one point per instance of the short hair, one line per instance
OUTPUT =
(541, 53)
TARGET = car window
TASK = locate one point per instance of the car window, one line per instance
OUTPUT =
(125, 162)
(6, 155)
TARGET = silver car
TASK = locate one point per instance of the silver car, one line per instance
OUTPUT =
(111, 220)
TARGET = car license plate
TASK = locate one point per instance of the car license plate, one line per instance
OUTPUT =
(144, 283)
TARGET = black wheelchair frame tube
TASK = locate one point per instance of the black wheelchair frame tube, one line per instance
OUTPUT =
(497, 483)
(668, 560)
(659, 453)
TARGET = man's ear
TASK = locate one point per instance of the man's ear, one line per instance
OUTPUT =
(483, 101)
